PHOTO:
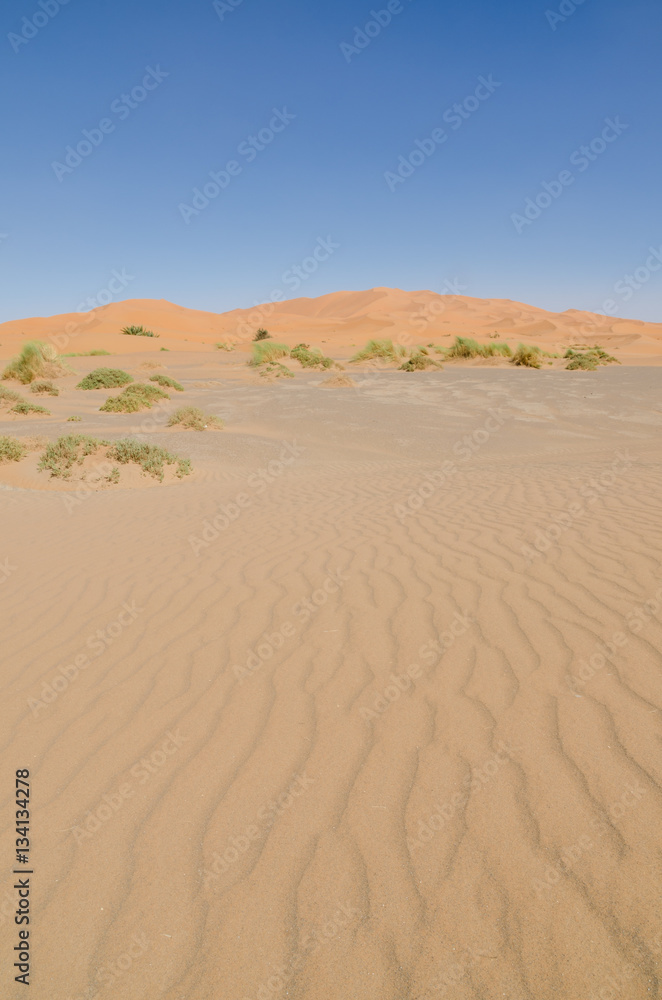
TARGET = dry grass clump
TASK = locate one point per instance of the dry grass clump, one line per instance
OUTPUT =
(25, 408)
(419, 361)
(527, 356)
(61, 455)
(105, 378)
(44, 389)
(166, 382)
(11, 449)
(224, 345)
(7, 396)
(379, 349)
(276, 370)
(36, 360)
(338, 382)
(268, 352)
(466, 347)
(150, 458)
(138, 331)
(74, 420)
(193, 419)
(589, 360)
(134, 398)
(310, 358)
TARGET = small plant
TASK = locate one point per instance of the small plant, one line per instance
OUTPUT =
(7, 396)
(419, 362)
(164, 348)
(308, 358)
(589, 360)
(166, 382)
(150, 458)
(193, 419)
(138, 331)
(86, 354)
(276, 370)
(74, 420)
(61, 455)
(24, 408)
(266, 353)
(262, 334)
(11, 449)
(466, 347)
(376, 349)
(134, 398)
(526, 355)
(105, 378)
(36, 360)
(44, 389)
(224, 345)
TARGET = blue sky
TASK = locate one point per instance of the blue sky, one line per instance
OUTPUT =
(352, 109)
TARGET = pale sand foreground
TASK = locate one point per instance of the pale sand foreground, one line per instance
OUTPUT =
(488, 833)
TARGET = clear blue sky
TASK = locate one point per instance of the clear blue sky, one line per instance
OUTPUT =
(323, 175)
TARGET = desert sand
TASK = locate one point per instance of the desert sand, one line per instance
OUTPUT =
(366, 708)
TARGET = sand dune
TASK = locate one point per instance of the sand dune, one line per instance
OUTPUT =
(341, 320)
(386, 729)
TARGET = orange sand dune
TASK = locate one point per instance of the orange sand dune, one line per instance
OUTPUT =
(341, 320)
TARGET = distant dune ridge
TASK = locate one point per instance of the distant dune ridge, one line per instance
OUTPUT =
(342, 320)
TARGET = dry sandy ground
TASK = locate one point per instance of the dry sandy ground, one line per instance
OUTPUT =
(332, 748)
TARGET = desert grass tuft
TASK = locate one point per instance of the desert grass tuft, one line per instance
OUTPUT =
(150, 458)
(418, 362)
(167, 382)
(7, 396)
(86, 354)
(36, 360)
(224, 345)
(24, 408)
(11, 449)
(135, 397)
(61, 455)
(74, 420)
(267, 352)
(44, 389)
(105, 378)
(138, 331)
(310, 358)
(193, 419)
(527, 355)
(466, 347)
(262, 334)
(377, 349)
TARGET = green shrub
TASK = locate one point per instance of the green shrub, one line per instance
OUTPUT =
(138, 331)
(167, 382)
(527, 355)
(150, 458)
(7, 396)
(134, 398)
(86, 354)
(11, 450)
(61, 455)
(466, 347)
(262, 334)
(45, 389)
(308, 358)
(376, 349)
(589, 360)
(36, 360)
(24, 408)
(265, 353)
(193, 419)
(105, 378)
